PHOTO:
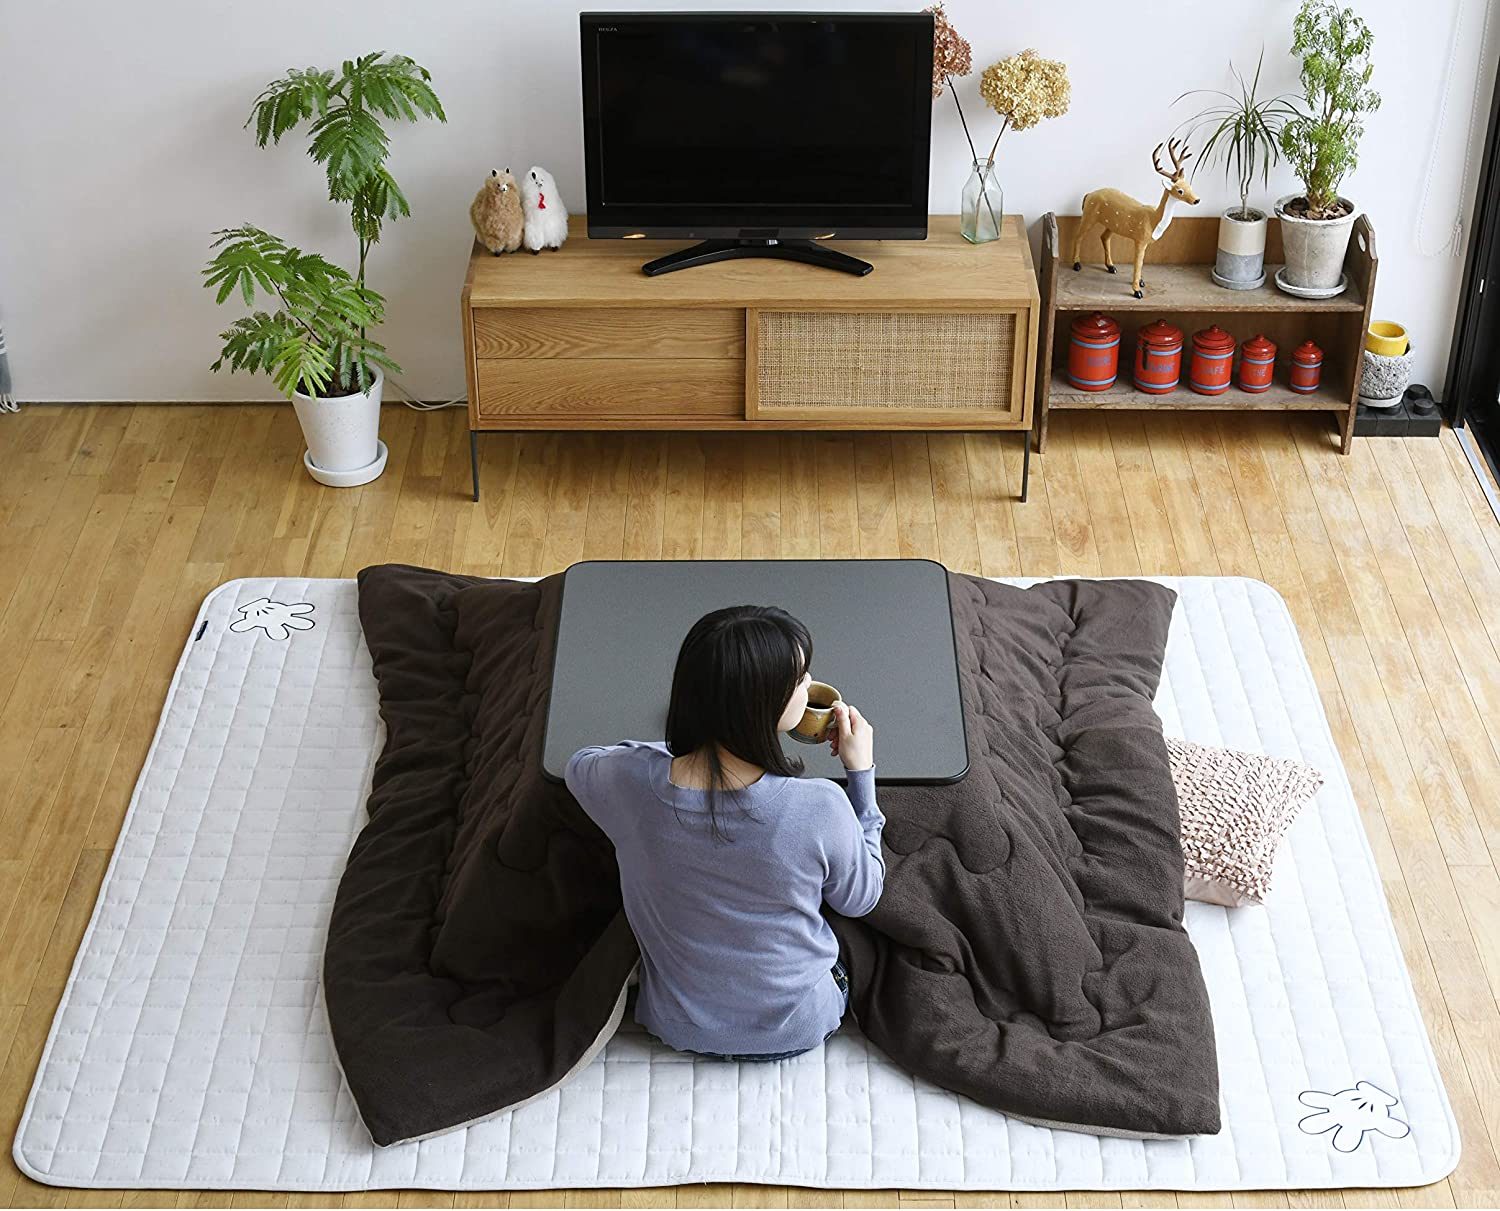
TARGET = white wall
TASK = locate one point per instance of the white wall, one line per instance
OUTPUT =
(123, 150)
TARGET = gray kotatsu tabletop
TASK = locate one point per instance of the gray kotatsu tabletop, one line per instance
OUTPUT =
(882, 633)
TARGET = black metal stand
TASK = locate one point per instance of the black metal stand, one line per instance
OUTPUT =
(809, 252)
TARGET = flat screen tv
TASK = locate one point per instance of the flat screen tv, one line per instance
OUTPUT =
(761, 133)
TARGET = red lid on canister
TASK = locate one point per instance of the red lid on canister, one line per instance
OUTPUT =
(1161, 335)
(1213, 339)
(1096, 327)
(1308, 354)
(1258, 348)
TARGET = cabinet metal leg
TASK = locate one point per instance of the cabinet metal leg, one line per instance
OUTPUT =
(474, 460)
(1025, 464)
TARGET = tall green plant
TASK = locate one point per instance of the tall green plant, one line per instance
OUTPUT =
(1322, 142)
(347, 137)
(1243, 132)
(317, 341)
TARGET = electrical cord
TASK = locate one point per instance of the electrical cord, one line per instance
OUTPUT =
(416, 405)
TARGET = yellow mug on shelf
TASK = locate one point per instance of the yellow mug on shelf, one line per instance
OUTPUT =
(1386, 338)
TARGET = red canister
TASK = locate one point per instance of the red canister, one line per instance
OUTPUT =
(1158, 358)
(1257, 364)
(1213, 361)
(1094, 354)
(1307, 368)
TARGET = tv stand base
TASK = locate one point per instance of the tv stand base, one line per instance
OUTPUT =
(1025, 434)
(809, 252)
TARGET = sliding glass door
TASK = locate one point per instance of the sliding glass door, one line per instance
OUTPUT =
(1472, 392)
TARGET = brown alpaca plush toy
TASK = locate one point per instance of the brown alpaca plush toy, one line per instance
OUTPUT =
(496, 213)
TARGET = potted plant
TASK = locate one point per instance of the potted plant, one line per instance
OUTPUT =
(1321, 143)
(1244, 133)
(316, 345)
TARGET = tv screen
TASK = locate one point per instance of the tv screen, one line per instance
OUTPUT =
(757, 125)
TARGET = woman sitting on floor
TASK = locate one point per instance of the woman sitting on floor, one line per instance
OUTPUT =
(726, 857)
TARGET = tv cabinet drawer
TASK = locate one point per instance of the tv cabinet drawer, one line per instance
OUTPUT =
(563, 389)
(942, 369)
(608, 332)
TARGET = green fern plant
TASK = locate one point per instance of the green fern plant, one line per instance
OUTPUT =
(1322, 142)
(317, 341)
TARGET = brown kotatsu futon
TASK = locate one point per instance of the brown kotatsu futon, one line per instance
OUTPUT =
(1028, 950)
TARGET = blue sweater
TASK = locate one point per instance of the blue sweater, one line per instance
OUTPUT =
(735, 953)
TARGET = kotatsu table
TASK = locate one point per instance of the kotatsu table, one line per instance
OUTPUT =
(882, 634)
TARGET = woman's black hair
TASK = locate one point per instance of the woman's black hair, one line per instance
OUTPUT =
(736, 671)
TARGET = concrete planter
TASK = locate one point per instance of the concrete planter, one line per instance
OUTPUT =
(1241, 261)
(1383, 378)
(1314, 248)
(343, 435)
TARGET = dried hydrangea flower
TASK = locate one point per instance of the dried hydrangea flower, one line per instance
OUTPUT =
(1026, 88)
(951, 53)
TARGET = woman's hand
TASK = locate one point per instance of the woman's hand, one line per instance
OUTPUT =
(852, 739)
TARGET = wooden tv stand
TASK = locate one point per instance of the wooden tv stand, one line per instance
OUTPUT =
(943, 335)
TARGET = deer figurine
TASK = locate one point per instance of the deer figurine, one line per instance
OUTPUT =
(1120, 214)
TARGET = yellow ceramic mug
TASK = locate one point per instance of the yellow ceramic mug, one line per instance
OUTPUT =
(817, 719)
(1386, 338)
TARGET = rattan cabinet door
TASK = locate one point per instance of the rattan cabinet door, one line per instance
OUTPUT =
(889, 369)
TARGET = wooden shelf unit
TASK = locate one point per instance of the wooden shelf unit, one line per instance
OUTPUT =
(942, 335)
(1179, 288)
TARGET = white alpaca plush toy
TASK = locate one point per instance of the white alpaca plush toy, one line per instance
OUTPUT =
(546, 216)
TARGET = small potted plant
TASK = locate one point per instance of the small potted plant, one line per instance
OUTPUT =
(1243, 132)
(1321, 142)
(316, 345)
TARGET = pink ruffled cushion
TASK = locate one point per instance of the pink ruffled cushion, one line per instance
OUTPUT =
(1235, 809)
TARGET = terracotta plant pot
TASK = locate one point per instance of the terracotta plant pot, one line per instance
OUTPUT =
(1241, 262)
(1314, 248)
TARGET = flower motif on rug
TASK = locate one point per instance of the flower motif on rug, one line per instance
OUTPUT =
(1350, 1114)
(278, 619)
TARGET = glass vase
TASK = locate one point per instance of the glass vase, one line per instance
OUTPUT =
(983, 204)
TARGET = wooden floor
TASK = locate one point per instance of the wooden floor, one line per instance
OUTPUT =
(115, 521)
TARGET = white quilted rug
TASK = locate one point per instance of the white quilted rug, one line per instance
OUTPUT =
(191, 1047)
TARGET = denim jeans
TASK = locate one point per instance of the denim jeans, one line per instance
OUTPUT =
(841, 978)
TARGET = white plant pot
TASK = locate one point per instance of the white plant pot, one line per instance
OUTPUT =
(1314, 248)
(1241, 261)
(343, 435)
